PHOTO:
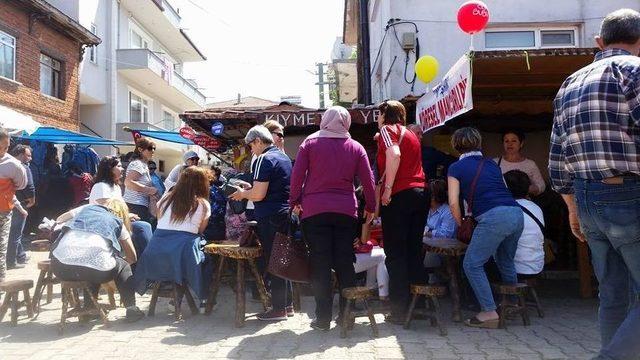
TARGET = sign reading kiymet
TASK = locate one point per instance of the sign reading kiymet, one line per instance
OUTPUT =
(450, 98)
(307, 118)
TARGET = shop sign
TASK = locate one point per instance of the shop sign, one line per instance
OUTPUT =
(451, 98)
(206, 142)
(217, 128)
(309, 118)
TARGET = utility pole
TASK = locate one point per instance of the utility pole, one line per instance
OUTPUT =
(321, 82)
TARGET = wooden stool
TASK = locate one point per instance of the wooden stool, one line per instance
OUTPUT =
(12, 288)
(70, 290)
(507, 308)
(40, 245)
(242, 256)
(177, 292)
(348, 317)
(532, 283)
(431, 294)
(110, 288)
(47, 279)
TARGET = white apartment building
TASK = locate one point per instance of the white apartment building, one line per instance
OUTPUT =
(513, 24)
(134, 77)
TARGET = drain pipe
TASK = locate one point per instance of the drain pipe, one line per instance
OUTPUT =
(364, 56)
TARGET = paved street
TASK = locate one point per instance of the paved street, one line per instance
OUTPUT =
(567, 332)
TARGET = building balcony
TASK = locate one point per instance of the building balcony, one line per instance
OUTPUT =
(155, 76)
(163, 22)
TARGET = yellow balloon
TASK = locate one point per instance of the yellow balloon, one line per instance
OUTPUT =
(427, 68)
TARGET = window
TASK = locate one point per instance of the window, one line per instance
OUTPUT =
(168, 120)
(138, 41)
(50, 69)
(510, 39)
(138, 108)
(93, 50)
(7, 56)
(558, 38)
(517, 38)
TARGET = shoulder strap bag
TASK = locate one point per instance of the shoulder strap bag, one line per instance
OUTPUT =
(465, 231)
(380, 182)
(526, 211)
(549, 255)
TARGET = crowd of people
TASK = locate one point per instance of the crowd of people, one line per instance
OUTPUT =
(152, 230)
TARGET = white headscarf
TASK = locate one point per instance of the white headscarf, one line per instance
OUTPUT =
(335, 123)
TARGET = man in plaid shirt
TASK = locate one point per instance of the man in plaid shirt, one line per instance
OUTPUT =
(594, 163)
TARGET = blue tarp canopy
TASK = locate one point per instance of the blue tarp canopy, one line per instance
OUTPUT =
(169, 136)
(59, 136)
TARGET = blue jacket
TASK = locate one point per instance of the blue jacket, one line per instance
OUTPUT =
(100, 221)
(171, 256)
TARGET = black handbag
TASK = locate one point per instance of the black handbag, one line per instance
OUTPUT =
(289, 258)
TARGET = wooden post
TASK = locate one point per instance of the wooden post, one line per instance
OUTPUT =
(585, 270)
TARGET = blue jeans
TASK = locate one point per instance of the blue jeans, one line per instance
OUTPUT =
(141, 234)
(15, 249)
(610, 219)
(497, 235)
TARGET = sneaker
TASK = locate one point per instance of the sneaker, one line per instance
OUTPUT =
(16, 266)
(273, 315)
(290, 311)
(134, 314)
(315, 324)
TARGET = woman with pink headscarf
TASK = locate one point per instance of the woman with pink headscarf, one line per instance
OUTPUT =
(322, 192)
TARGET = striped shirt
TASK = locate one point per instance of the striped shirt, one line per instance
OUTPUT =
(135, 197)
(596, 125)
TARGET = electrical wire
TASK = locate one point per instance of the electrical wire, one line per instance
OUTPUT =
(373, 67)
(392, 24)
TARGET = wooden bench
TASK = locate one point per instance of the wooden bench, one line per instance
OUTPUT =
(176, 293)
(348, 317)
(45, 279)
(231, 250)
(70, 290)
(533, 295)
(12, 289)
(507, 308)
(40, 245)
(433, 312)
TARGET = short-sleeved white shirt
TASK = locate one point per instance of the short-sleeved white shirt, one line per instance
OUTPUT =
(529, 258)
(135, 197)
(190, 223)
(102, 190)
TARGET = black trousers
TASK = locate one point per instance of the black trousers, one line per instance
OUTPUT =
(281, 289)
(121, 274)
(143, 212)
(403, 222)
(330, 237)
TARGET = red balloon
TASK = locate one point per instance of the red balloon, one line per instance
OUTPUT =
(473, 16)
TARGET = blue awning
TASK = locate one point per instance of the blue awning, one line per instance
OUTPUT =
(169, 136)
(59, 136)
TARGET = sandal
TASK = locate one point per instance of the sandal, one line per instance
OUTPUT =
(488, 324)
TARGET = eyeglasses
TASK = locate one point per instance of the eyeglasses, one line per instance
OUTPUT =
(195, 159)
(151, 148)
(152, 168)
(280, 135)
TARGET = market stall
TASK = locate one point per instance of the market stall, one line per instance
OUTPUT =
(298, 122)
(499, 90)
(50, 164)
